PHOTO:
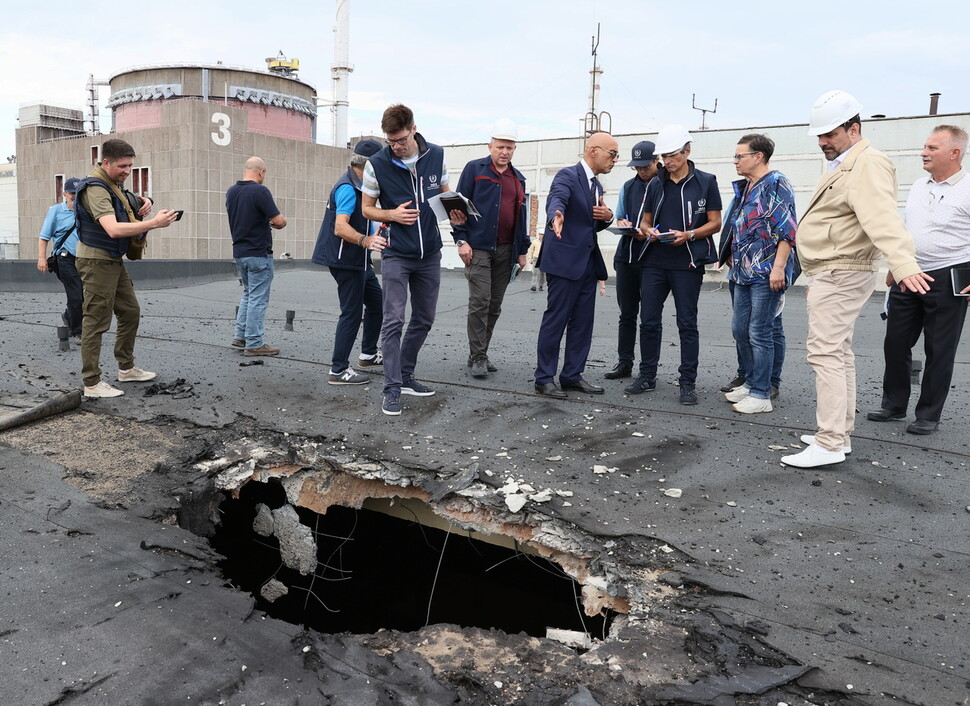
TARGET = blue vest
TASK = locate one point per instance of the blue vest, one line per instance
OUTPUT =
(398, 185)
(332, 250)
(629, 249)
(89, 230)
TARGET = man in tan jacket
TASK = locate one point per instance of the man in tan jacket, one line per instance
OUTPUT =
(851, 218)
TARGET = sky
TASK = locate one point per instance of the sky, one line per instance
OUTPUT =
(460, 66)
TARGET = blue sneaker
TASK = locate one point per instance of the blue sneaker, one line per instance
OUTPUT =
(391, 405)
(413, 387)
(640, 385)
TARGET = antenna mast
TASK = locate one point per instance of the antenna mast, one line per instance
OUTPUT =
(704, 111)
(593, 121)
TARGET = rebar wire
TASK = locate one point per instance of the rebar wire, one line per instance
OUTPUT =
(326, 565)
(315, 596)
(427, 618)
(579, 612)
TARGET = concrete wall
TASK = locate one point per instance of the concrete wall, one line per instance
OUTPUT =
(198, 148)
(9, 231)
(23, 275)
(196, 153)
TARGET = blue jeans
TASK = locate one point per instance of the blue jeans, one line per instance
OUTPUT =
(422, 278)
(256, 274)
(755, 312)
(655, 284)
(778, 338)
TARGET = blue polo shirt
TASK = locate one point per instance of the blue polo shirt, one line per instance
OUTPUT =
(60, 219)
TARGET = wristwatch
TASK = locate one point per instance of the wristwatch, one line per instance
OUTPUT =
(692, 234)
(459, 243)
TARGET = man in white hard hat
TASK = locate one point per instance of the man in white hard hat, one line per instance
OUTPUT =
(938, 216)
(850, 219)
(491, 245)
(681, 215)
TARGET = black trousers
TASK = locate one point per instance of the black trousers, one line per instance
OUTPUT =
(939, 317)
(67, 274)
(628, 299)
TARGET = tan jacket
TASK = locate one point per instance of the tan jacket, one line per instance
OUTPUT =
(852, 216)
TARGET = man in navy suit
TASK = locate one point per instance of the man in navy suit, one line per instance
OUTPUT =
(571, 259)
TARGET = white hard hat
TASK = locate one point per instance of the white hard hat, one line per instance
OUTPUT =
(831, 110)
(672, 138)
(505, 129)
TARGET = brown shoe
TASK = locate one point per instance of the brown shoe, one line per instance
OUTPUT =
(264, 350)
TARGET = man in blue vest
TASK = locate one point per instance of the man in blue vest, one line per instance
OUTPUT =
(402, 177)
(572, 261)
(106, 221)
(490, 246)
(626, 260)
(344, 245)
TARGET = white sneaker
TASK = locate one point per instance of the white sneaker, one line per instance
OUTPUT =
(752, 405)
(810, 439)
(102, 389)
(813, 457)
(135, 375)
(737, 394)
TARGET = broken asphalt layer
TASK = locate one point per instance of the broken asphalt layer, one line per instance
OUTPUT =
(858, 572)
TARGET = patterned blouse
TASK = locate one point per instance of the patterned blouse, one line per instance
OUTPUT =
(757, 221)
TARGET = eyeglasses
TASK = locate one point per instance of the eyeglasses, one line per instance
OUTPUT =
(671, 154)
(737, 157)
(401, 141)
(613, 153)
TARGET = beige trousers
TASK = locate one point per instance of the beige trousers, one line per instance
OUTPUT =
(835, 298)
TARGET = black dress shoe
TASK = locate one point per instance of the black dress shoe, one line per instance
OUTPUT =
(922, 426)
(549, 389)
(885, 415)
(620, 370)
(582, 386)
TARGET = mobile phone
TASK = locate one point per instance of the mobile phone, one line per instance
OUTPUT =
(515, 272)
(178, 215)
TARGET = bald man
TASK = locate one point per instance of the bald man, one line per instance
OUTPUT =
(252, 215)
(571, 259)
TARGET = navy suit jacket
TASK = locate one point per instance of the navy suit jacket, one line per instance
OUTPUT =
(569, 256)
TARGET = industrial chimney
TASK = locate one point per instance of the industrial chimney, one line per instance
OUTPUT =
(341, 71)
(934, 103)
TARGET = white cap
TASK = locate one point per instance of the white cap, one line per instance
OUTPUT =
(831, 110)
(505, 129)
(672, 138)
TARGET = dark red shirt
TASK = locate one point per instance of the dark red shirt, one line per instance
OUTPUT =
(506, 209)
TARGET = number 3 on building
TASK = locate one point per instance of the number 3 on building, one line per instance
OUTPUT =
(222, 137)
